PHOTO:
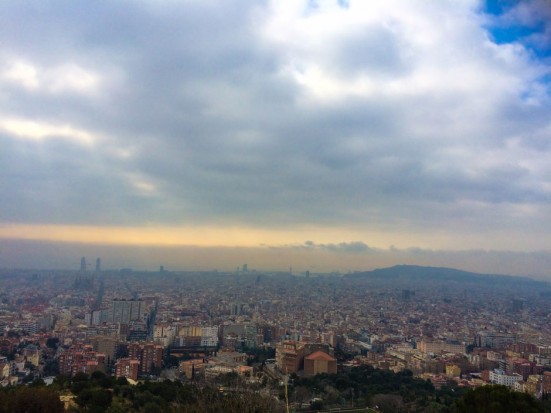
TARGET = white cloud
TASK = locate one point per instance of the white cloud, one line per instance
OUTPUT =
(63, 78)
(402, 49)
(141, 184)
(41, 131)
(22, 73)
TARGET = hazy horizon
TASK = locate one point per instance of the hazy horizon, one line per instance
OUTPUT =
(322, 258)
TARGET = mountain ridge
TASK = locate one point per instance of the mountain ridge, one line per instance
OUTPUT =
(428, 273)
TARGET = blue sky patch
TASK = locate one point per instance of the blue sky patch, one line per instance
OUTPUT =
(497, 7)
(509, 30)
(344, 3)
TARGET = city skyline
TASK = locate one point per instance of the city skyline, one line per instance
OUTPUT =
(322, 135)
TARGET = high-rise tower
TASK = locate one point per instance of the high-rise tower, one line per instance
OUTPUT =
(83, 264)
(98, 264)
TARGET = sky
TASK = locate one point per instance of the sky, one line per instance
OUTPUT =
(320, 135)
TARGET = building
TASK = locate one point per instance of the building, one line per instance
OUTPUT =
(521, 366)
(129, 368)
(29, 326)
(212, 371)
(81, 358)
(125, 311)
(319, 362)
(226, 362)
(197, 336)
(99, 316)
(499, 376)
(191, 368)
(107, 345)
(245, 335)
(108, 330)
(209, 336)
(164, 334)
(289, 356)
(32, 354)
(491, 339)
(453, 370)
(150, 356)
(436, 347)
(137, 331)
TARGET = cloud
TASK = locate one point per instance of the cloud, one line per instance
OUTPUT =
(394, 117)
(66, 78)
(347, 247)
(30, 129)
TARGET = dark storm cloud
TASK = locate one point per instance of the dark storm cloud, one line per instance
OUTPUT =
(200, 114)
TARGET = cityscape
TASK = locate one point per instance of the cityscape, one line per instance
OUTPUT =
(457, 329)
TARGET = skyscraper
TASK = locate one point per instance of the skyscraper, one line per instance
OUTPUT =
(98, 264)
(83, 264)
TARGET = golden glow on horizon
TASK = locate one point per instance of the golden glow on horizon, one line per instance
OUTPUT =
(239, 236)
(193, 236)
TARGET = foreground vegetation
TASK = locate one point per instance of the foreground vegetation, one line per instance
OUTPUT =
(358, 387)
(402, 393)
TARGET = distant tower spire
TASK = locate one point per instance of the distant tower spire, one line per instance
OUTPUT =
(98, 264)
(83, 264)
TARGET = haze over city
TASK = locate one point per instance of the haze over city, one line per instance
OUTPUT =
(319, 135)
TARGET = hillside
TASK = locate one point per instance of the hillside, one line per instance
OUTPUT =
(416, 273)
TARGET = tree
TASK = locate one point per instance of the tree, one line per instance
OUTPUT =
(388, 403)
(302, 394)
(29, 366)
(171, 361)
(489, 399)
(95, 400)
(98, 375)
(121, 381)
(151, 407)
(80, 377)
(51, 368)
(316, 404)
(30, 400)
(52, 342)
